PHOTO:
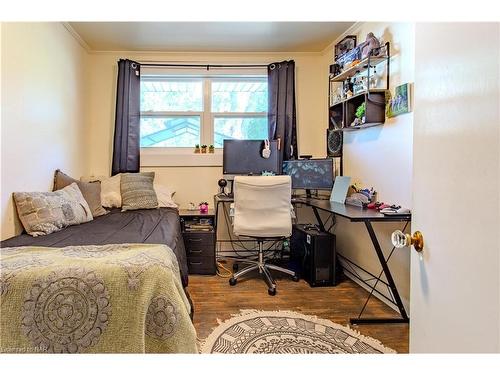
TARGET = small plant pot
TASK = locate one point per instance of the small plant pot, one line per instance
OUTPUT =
(203, 150)
(196, 150)
(211, 150)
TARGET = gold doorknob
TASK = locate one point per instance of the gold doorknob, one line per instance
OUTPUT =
(400, 239)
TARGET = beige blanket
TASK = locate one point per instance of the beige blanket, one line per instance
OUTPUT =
(125, 298)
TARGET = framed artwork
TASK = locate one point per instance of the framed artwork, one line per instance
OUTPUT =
(345, 45)
(401, 101)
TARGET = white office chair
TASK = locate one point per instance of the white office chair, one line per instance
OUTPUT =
(263, 211)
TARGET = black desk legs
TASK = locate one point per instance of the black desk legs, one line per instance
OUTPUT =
(404, 317)
(318, 218)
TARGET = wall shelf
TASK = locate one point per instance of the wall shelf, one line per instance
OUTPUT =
(343, 112)
(359, 127)
(354, 96)
(359, 68)
(364, 65)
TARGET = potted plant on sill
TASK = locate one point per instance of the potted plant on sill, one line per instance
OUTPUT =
(196, 149)
(211, 149)
(203, 149)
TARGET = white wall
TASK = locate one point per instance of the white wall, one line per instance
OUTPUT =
(43, 117)
(198, 184)
(382, 157)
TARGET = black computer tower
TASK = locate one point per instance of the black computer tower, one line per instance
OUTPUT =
(313, 257)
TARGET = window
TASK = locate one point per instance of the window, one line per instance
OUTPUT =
(182, 111)
(171, 111)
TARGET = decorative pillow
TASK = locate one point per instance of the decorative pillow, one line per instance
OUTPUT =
(137, 191)
(111, 194)
(91, 191)
(46, 212)
(164, 196)
(110, 191)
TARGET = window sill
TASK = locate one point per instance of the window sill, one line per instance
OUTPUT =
(151, 157)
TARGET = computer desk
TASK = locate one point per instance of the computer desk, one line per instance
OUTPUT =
(355, 215)
(366, 216)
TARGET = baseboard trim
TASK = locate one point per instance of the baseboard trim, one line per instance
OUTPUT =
(379, 292)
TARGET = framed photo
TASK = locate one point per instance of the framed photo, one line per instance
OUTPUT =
(345, 45)
(401, 101)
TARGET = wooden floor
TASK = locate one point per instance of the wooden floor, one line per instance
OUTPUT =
(214, 299)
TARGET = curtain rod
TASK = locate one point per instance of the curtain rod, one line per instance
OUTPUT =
(207, 66)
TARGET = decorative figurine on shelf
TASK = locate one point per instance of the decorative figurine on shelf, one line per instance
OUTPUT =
(374, 79)
(370, 46)
(354, 63)
(191, 206)
(211, 149)
(338, 94)
(360, 84)
(335, 69)
(196, 149)
(203, 149)
(203, 207)
(347, 88)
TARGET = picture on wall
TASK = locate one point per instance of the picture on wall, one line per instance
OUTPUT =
(401, 101)
(345, 45)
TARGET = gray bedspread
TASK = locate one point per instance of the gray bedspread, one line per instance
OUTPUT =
(155, 226)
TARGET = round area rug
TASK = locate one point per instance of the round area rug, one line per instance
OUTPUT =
(287, 332)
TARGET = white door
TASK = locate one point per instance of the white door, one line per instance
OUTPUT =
(455, 291)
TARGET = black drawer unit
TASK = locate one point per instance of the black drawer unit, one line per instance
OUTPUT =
(199, 265)
(198, 243)
(198, 232)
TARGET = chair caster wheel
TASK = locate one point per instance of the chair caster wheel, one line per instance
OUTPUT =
(235, 267)
(232, 281)
(295, 278)
(271, 291)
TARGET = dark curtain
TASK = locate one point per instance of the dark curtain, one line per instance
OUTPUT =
(126, 146)
(281, 110)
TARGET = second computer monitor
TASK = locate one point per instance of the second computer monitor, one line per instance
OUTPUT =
(310, 174)
(244, 157)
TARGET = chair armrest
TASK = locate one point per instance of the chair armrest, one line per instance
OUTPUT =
(292, 212)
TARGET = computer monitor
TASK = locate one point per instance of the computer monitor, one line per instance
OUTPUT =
(244, 157)
(310, 174)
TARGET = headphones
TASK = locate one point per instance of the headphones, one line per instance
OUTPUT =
(266, 152)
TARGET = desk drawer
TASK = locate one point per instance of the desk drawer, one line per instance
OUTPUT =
(200, 251)
(200, 265)
(198, 241)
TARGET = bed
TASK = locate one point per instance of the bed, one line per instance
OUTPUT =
(158, 226)
(115, 284)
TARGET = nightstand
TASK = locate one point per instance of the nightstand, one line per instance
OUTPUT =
(198, 232)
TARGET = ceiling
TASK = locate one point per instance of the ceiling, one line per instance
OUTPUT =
(210, 36)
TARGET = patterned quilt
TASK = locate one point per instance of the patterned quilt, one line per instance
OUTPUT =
(125, 298)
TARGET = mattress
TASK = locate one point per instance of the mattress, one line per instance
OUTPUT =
(156, 226)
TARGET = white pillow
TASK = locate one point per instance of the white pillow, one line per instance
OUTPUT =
(164, 196)
(110, 191)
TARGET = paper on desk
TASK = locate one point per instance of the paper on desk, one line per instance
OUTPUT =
(340, 188)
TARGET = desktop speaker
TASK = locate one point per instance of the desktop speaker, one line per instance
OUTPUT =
(313, 257)
(333, 143)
